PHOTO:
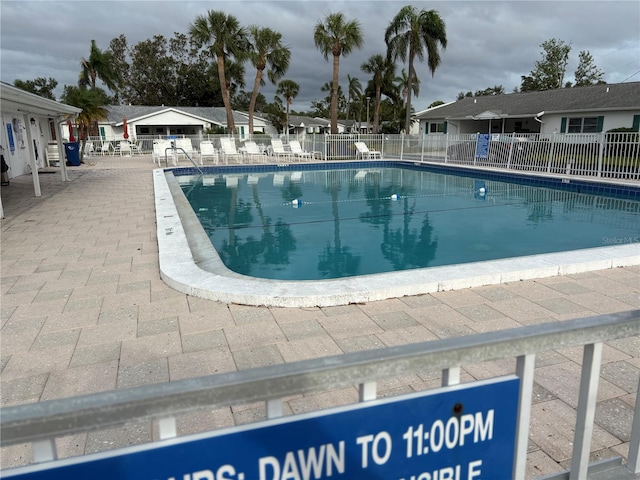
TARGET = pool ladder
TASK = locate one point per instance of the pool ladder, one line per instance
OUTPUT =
(174, 151)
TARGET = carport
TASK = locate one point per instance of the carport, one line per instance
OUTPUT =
(30, 110)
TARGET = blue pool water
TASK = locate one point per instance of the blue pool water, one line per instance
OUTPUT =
(321, 224)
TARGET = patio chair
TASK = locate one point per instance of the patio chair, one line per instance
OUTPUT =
(252, 151)
(125, 148)
(207, 150)
(364, 152)
(88, 148)
(105, 148)
(136, 148)
(229, 149)
(278, 149)
(297, 151)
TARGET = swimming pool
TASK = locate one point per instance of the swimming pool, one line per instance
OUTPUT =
(401, 213)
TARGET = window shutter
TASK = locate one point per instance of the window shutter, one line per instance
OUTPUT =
(636, 123)
(600, 123)
(445, 127)
(427, 127)
(563, 125)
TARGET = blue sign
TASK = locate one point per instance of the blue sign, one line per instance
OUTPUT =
(12, 145)
(463, 432)
(482, 145)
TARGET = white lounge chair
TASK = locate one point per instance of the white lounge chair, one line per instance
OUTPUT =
(278, 148)
(229, 149)
(159, 151)
(297, 151)
(185, 147)
(207, 150)
(364, 152)
(252, 151)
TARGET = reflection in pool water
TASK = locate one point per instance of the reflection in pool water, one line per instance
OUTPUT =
(322, 224)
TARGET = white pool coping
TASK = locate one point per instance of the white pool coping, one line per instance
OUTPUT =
(192, 266)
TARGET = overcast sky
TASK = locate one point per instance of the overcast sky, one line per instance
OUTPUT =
(489, 43)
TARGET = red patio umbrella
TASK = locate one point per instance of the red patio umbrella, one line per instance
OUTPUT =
(71, 137)
(125, 128)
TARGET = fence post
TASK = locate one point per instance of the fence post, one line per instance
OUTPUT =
(424, 137)
(446, 148)
(401, 145)
(601, 153)
(551, 148)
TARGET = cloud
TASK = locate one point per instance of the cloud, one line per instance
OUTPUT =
(489, 43)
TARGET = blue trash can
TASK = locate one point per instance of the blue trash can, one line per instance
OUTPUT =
(72, 151)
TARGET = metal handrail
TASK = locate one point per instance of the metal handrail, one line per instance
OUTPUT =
(47, 420)
(175, 150)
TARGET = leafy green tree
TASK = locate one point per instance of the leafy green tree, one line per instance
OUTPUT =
(40, 86)
(225, 39)
(548, 73)
(377, 65)
(587, 73)
(99, 65)
(336, 36)
(436, 104)
(289, 90)
(267, 53)
(275, 113)
(92, 102)
(412, 34)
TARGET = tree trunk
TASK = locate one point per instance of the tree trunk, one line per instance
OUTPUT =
(231, 127)
(252, 103)
(334, 94)
(409, 88)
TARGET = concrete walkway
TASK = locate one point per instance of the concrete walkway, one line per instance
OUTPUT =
(84, 310)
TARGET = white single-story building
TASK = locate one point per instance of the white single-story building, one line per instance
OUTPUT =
(30, 124)
(164, 121)
(590, 109)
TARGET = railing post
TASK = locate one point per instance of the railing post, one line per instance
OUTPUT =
(525, 368)
(585, 415)
(274, 408)
(601, 153)
(367, 391)
(401, 145)
(450, 376)
(446, 148)
(550, 156)
(44, 450)
(424, 137)
(634, 443)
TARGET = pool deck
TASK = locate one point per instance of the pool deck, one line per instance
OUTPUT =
(84, 309)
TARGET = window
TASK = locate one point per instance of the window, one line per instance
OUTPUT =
(436, 128)
(583, 125)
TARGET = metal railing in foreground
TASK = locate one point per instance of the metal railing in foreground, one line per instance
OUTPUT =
(41, 423)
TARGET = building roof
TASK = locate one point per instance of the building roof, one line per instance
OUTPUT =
(605, 97)
(18, 100)
(215, 115)
(303, 121)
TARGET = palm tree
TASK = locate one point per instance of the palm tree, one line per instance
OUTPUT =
(268, 53)
(336, 36)
(225, 39)
(92, 102)
(289, 90)
(377, 66)
(412, 34)
(99, 65)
